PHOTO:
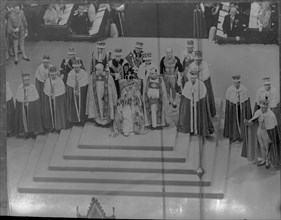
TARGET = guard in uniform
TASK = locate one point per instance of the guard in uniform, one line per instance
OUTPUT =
(80, 21)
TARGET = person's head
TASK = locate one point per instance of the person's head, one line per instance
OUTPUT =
(190, 46)
(53, 72)
(193, 74)
(126, 67)
(264, 106)
(101, 46)
(265, 6)
(26, 79)
(81, 8)
(236, 81)
(147, 58)
(169, 53)
(17, 8)
(46, 61)
(138, 47)
(99, 69)
(118, 54)
(71, 53)
(233, 11)
(77, 64)
(267, 83)
(153, 72)
(198, 57)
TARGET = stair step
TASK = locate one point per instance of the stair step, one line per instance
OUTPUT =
(153, 140)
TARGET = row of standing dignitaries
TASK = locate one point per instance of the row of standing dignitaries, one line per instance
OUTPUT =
(259, 132)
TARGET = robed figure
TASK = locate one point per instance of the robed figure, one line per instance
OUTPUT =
(155, 100)
(194, 113)
(269, 93)
(99, 56)
(66, 64)
(102, 96)
(237, 109)
(205, 76)
(10, 110)
(116, 68)
(41, 75)
(55, 99)
(187, 59)
(262, 148)
(135, 57)
(129, 116)
(143, 70)
(76, 93)
(28, 114)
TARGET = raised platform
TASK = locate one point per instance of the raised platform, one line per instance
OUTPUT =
(85, 160)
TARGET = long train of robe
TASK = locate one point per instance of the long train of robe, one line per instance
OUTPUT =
(30, 120)
(104, 113)
(203, 118)
(55, 109)
(232, 130)
(76, 104)
(251, 147)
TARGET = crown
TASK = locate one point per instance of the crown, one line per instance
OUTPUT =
(198, 54)
(194, 69)
(236, 78)
(46, 58)
(71, 50)
(118, 51)
(264, 103)
(190, 43)
(266, 80)
(53, 69)
(139, 45)
(101, 44)
(147, 56)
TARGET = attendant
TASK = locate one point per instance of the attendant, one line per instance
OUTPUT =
(264, 16)
(11, 111)
(102, 97)
(135, 57)
(55, 102)
(267, 135)
(116, 68)
(187, 59)
(28, 114)
(170, 66)
(237, 109)
(155, 100)
(76, 93)
(205, 76)
(194, 113)
(41, 75)
(99, 56)
(17, 28)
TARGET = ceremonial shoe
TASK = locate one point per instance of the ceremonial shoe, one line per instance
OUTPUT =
(27, 59)
(16, 62)
(261, 164)
(267, 166)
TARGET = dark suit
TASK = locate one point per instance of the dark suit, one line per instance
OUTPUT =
(80, 23)
(234, 30)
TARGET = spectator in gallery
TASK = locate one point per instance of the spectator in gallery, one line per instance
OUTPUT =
(232, 26)
(264, 16)
(80, 21)
(117, 16)
(51, 16)
(211, 12)
(17, 27)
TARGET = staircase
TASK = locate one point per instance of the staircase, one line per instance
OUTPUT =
(85, 160)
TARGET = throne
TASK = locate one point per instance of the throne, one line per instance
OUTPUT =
(95, 211)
